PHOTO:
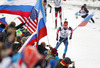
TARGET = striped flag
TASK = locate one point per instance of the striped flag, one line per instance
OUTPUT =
(18, 7)
(31, 21)
(25, 9)
(86, 20)
(41, 30)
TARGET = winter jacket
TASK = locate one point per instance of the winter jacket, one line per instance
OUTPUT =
(49, 57)
(52, 63)
(41, 49)
(5, 34)
(85, 9)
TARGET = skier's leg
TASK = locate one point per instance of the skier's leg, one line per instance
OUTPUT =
(56, 14)
(92, 20)
(66, 48)
(60, 15)
(58, 43)
(45, 13)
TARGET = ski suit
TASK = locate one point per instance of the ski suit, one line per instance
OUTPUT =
(84, 13)
(58, 8)
(64, 35)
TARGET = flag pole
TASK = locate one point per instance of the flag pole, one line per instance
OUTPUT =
(25, 44)
(48, 39)
(15, 18)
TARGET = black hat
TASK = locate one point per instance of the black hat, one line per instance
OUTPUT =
(84, 4)
(2, 26)
(67, 60)
(45, 0)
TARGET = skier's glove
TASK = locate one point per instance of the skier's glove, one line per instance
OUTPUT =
(70, 37)
(57, 38)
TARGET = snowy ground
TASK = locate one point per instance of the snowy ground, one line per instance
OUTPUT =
(84, 48)
(79, 2)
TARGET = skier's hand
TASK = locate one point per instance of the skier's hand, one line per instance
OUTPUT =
(70, 37)
(57, 38)
(80, 11)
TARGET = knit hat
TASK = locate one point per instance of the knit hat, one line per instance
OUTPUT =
(67, 60)
(65, 23)
(54, 51)
(84, 4)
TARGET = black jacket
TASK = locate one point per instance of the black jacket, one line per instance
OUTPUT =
(41, 49)
(85, 9)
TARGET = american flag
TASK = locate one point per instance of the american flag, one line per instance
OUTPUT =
(31, 21)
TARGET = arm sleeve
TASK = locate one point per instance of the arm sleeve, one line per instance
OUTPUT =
(86, 10)
(49, 6)
(19, 26)
(71, 31)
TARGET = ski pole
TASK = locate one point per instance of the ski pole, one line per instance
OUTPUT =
(15, 18)
(48, 40)
(52, 16)
(63, 13)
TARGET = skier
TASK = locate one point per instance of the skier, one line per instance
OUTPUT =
(58, 8)
(64, 31)
(45, 6)
(84, 12)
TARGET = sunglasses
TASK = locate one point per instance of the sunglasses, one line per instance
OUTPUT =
(65, 25)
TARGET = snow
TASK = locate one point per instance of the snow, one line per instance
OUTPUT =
(84, 48)
(79, 2)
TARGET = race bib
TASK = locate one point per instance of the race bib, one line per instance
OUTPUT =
(64, 34)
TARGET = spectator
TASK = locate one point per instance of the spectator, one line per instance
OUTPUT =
(64, 63)
(51, 56)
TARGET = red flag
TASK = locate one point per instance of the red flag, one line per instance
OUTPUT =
(31, 56)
